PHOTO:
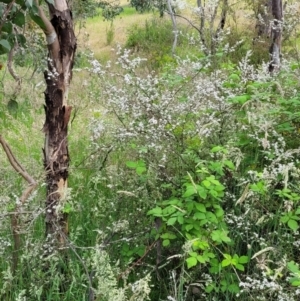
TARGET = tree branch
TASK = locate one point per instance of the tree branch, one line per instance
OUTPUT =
(15, 217)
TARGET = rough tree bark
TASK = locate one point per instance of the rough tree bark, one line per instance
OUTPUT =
(61, 42)
(276, 33)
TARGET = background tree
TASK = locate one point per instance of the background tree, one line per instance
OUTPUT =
(276, 35)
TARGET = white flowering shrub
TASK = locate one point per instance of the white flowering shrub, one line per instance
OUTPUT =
(167, 126)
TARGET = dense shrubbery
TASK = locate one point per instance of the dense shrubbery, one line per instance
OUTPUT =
(184, 181)
(214, 157)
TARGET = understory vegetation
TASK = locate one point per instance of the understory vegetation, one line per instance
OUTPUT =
(184, 173)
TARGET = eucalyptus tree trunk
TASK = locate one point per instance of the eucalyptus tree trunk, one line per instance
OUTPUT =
(61, 49)
(276, 34)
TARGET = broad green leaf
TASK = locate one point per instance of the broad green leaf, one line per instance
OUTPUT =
(240, 267)
(168, 236)
(229, 164)
(295, 282)
(5, 44)
(211, 217)
(293, 267)
(190, 190)
(202, 193)
(171, 221)
(234, 77)
(166, 242)
(131, 164)
(157, 211)
(189, 227)
(209, 288)
(141, 163)
(180, 219)
(240, 99)
(206, 183)
(226, 262)
(234, 288)
(201, 259)
(199, 215)
(219, 212)
(293, 224)
(67, 208)
(200, 207)
(284, 219)
(19, 18)
(7, 27)
(140, 170)
(191, 262)
(243, 259)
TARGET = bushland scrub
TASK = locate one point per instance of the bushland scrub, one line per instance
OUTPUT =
(184, 171)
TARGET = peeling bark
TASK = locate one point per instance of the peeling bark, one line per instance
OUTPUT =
(61, 49)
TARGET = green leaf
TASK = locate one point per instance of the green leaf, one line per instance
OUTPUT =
(199, 215)
(180, 219)
(201, 259)
(7, 27)
(206, 183)
(166, 242)
(220, 236)
(295, 282)
(234, 288)
(229, 164)
(157, 211)
(240, 267)
(50, 2)
(202, 193)
(67, 208)
(211, 217)
(200, 207)
(191, 262)
(140, 170)
(284, 219)
(293, 267)
(293, 224)
(19, 19)
(193, 254)
(171, 221)
(190, 191)
(234, 77)
(131, 164)
(243, 259)
(226, 262)
(5, 44)
(240, 99)
(189, 227)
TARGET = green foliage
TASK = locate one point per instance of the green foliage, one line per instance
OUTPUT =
(155, 39)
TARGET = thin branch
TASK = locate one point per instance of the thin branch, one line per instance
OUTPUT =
(11, 70)
(15, 217)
